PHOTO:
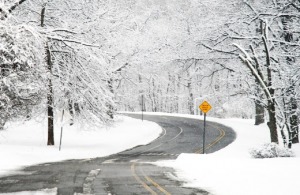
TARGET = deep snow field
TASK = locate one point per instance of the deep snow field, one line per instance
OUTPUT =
(26, 144)
(230, 171)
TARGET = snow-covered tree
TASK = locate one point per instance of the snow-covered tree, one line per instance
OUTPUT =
(263, 35)
(23, 72)
(168, 44)
(78, 69)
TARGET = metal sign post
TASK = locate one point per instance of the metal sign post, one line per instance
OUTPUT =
(61, 131)
(204, 107)
(143, 107)
(203, 148)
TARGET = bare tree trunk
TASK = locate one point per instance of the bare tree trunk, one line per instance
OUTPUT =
(294, 121)
(176, 92)
(259, 109)
(50, 101)
(191, 95)
(168, 95)
(154, 96)
(141, 96)
(259, 114)
(50, 88)
(292, 103)
(272, 122)
(110, 111)
(72, 112)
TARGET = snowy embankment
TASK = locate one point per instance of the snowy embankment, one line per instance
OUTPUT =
(25, 144)
(232, 171)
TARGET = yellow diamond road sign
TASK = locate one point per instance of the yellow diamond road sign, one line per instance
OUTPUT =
(205, 107)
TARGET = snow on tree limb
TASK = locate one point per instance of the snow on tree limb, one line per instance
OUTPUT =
(74, 41)
(120, 68)
(63, 30)
(218, 50)
(258, 67)
(248, 61)
(10, 9)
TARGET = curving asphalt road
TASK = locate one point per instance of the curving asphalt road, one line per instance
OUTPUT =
(129, 172)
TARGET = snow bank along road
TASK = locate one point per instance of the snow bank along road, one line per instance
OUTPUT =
(128, 172)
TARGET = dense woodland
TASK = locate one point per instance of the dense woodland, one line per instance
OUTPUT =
(94, 58)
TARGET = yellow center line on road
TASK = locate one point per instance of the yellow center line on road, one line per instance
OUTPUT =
(137, 178)
(148, 178)
(140, 181)
(148, 188)
(154, 183)
(222, 134)
(157, 185)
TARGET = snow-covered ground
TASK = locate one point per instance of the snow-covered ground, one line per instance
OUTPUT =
(232, 171)
(39, 192)
(25, 144)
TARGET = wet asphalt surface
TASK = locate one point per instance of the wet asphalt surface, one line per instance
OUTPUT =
(129, 172)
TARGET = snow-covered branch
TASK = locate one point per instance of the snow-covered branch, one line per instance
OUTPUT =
(219, 50)
(74, 41)
(249, 62)
(10, 9)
